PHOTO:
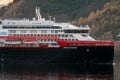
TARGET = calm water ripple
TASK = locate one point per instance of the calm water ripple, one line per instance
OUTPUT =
(57, 72)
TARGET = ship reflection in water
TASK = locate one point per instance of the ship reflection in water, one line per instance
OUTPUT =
(57, 72)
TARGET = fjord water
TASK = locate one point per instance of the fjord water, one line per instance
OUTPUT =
(56, 64)
(57, 72)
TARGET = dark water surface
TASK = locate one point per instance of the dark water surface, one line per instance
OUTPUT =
(65, 63)
(57, 72)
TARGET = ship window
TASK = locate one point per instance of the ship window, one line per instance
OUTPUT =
(48, 39)
(32, 31)
(45, 31)
(59, 35)
(56, 31)
(39, 31)
(13, 23)
(84, 35)
(66, 35)
(45, 40)
(35, 31)
(62, 35)
(9, 31)
(8, 22)
(84, 31)
(23, 31)
(12, 31)
(52, 31)
(61, 31)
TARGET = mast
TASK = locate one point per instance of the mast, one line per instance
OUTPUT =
(38, 14)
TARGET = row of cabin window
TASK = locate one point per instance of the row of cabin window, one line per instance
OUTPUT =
(47, 31)
(76, 31)
(54, 39)
(37, 39)
(36, 31)
(30, 27)
(62, 35)
(22, 45)
(45, 40)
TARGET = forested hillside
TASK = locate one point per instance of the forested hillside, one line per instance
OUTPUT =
(63, 10)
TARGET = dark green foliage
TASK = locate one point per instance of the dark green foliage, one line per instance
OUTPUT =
(105, 21)
(61, 9)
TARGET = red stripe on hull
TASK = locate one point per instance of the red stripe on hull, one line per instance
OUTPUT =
(85, 43)
(29, 37)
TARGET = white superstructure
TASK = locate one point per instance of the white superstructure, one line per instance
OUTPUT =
(39, 31)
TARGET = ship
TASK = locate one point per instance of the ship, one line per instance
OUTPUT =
(41, 41)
